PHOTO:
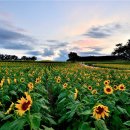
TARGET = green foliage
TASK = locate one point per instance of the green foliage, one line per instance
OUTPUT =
(56, 106)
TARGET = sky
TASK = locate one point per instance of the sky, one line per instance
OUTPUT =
(51, 29)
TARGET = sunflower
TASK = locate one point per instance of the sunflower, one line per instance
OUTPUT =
(108, 90)
(94, 91)
(121, 87)
(98, 84)
(58, 80)
(100, 111)
(38, 80)
(15, 80)
(1, 84)
(89, 87)
(115, 87)
(24, 104)
(106, 82)
(30, 85)
(8, 80)
(21, 74)
(76, 93)
(65, 85)
(22, 80)
(3, 80)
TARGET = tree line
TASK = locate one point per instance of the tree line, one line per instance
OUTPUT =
(121, 52)
(15, 58)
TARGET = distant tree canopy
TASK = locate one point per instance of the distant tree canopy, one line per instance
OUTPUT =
(123, 51)
(73, 56)
(14, 57)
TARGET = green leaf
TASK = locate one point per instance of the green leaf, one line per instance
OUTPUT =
(6, 126)
(100, 125)
(127, 123)
(35, 120)
(18, 124)
(47, 128)
(14, 125)
(62, 101)
(2, 114)
(13, 92)
(116, 121)
(45, 107)
(51, 120)
(63, 118)
(62, 95)
(6, 98)
(122, 110)
(84, 126)
(87, 112)
(7, 117)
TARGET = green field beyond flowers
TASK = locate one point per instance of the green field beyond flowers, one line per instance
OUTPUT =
(64, 96)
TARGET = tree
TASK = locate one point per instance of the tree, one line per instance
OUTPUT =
(33, 58)
(72, 55)
(23, 58)
(123, 51)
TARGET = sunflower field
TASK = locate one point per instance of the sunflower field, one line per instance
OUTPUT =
(63, 96)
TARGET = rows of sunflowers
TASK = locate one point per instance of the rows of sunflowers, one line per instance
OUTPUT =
(63, 96)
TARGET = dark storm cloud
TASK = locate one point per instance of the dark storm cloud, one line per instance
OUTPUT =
(103, 31)
(10, 39)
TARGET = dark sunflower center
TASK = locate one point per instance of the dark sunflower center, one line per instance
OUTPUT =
(90, 87)
(106, 83)
(108, 90)
(25, 105)
(99, 110)
(121, 87)
(115, 87)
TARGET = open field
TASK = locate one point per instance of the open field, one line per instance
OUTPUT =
(64, 96)
(114, 66)
(120, 65)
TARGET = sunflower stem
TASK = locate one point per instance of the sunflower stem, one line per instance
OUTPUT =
(29, 117)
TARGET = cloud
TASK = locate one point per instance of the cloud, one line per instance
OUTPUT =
(45, 52)
(63, 55)
(57, 45)
(96, 49)
(62, 44)
(34, 53)
(52, 41)
(14, 46)
(10, 39)
(48, 52)
(103, 31)
(91, 53)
